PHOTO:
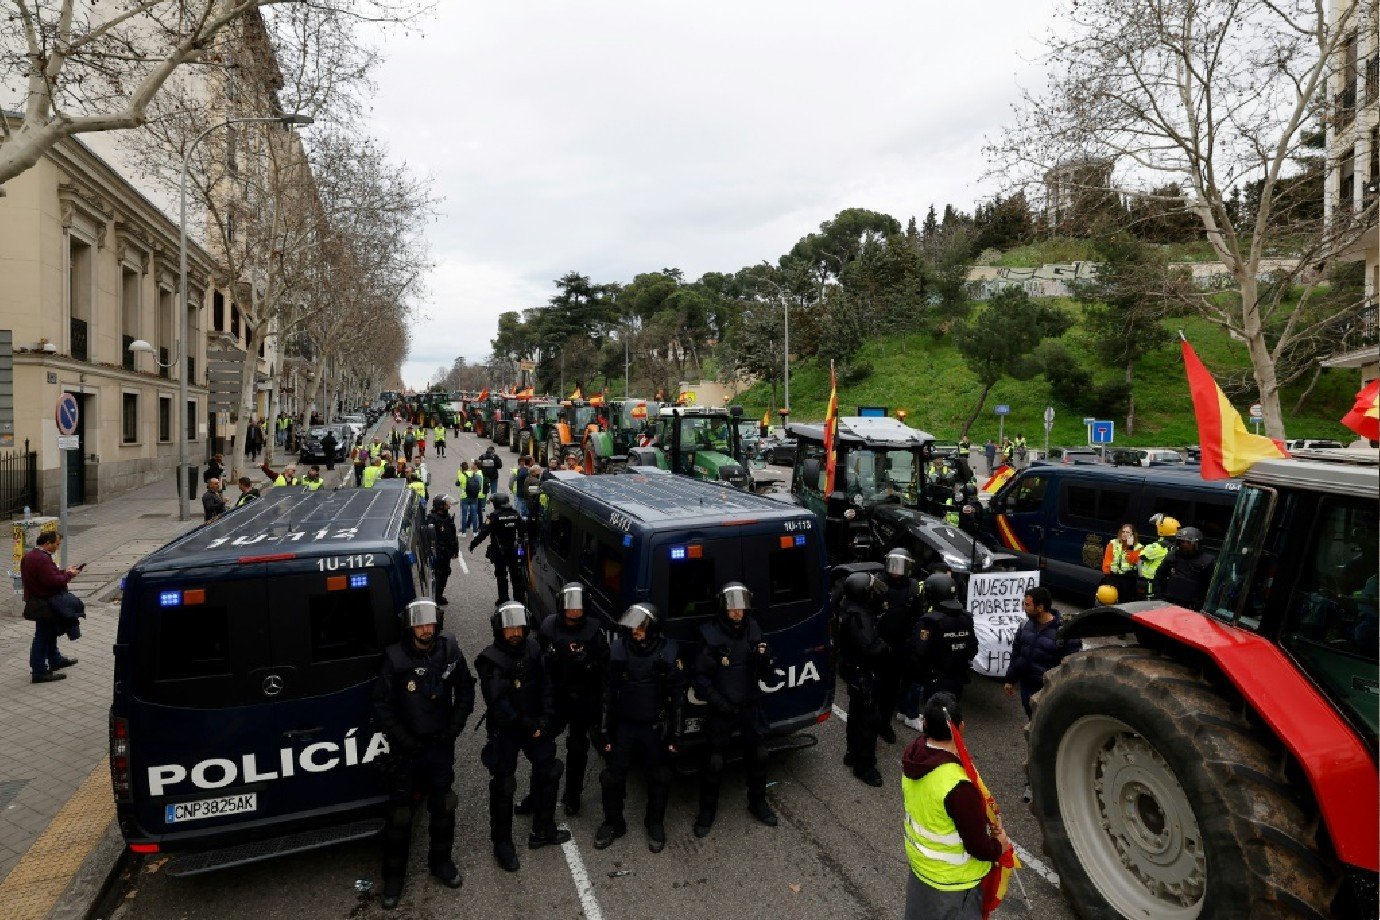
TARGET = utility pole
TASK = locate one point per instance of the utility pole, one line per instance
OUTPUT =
(625, 367)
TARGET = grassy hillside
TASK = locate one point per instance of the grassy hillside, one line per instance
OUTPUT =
(929, 380)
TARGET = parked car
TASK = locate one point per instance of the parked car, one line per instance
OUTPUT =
(1074, 455)
(777, 450)
(1297, 443)
(311, 450)
(1143, 456)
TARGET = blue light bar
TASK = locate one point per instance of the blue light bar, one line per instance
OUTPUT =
(677, 553)
(359, 581)
(800, 539)
(169, 598)
(627, 539)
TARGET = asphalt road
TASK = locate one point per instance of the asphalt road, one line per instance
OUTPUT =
(838, 852)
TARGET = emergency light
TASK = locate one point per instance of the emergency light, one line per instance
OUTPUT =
(169, 598)
(359, 581)
(686, 551)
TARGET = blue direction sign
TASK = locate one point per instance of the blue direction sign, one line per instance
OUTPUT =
(1003, 409)
(1103, 432)
(67, 414)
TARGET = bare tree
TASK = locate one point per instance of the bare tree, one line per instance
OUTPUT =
(1217, 96)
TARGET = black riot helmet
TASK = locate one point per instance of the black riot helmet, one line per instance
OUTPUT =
(510, 614)
(571, 599)
(899, 562)
(500, 500)
(939, 588)
(642, 615)
(858, 586)
(734, 595)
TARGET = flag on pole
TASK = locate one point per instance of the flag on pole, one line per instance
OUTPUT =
(1228, 448)
(484, 393)
(1364, 417)
(597, 399)
(831, 433)
(995, 882)
(766, 419)
(578, 394)
(525, 394)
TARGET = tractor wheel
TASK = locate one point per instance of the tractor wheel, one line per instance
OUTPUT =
(524, 443)
(553, 449)
(1158, 799)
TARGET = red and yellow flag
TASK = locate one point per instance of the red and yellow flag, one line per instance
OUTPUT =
(766, 419)
(578, 394)
(1364, 417)
(995, 882)
(525, 394)
(831, 433)
(1228, 448)
(484, 393)
(597, 399)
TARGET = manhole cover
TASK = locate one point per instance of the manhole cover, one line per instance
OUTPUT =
(9, 789)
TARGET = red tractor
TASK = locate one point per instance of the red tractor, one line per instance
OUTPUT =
(1222, 764)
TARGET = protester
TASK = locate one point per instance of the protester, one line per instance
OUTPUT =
(212, 502)
(43, 581)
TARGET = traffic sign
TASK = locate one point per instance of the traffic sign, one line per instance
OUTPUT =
(1103, 432)
(1049, 415)
(1003, 409)
(68, 414)
(69, 442)
(1257, 410)
(1088, 420)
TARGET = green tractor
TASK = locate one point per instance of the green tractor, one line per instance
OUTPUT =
(617, 428)
(698, 441)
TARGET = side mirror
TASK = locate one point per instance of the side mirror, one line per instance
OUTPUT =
(735, 411)
(809, 472)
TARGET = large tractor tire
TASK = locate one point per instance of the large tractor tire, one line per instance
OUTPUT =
(500, 433)
(1158, 800)
(553, 449)
(524, 445)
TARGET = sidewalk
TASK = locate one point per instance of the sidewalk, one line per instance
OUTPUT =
(55, 735)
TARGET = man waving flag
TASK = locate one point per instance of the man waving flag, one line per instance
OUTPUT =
(1228, 448)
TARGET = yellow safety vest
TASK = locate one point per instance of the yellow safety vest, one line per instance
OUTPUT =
(283, 481)
(935, 849)
(1119, 564)
(419, 488)
(312, 486)
(371, 475)
(375, 450)
(438, 433)
(462, 479)
(1150, 559)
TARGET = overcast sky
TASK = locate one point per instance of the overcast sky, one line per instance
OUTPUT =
(614, 137)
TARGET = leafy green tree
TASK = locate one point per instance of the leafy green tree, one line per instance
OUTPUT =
(1001, 338)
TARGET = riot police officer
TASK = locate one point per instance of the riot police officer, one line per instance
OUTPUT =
(644, 697)
(576, 655)
(861, 650)
(944, 641)
(732, 659)
(445, 542)
(520, 717)
(507, 549)
(422, 698)
(902, 604)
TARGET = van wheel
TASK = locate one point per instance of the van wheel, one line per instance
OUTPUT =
(1157, 798)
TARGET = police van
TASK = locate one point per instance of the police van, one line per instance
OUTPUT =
(245, 654)
(1059, 518)
(672, 540)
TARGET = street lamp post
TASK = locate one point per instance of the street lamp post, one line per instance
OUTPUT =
(183, 489)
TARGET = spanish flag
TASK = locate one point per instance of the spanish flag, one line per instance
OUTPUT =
(831, 433)
(995, 882)
(1364, 417)
(1228, 448)
(484, 393)
(578, 394)
(597, 399)
(525, 394)
(766, 419)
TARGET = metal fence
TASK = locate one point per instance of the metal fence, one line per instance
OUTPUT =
(18, 481)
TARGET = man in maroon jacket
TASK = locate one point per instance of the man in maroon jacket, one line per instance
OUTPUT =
(43, 580)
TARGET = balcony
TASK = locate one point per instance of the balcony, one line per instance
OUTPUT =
(80, 347)
(126, 356)
(164, 365)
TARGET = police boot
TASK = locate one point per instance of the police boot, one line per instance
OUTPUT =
(438, 856)
(392, 892)
(501, 822)
(757, 789)
(397, 839)
(658, 792)
(709, 794)
(614, 788)
(870, 775)
(546, 780)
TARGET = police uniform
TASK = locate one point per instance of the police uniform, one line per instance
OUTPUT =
(943, 646)
(861, 652)
(517, 692)
(422, 699)
(447, 544)
(902, 604)
(1183, 577)
(489, 465)
(576, 658)
(727, 670)
(506, 550)
(643, 701)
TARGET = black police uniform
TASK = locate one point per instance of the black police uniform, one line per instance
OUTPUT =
(943, 646)
(902, 605)
(517, 691)
(422, 699)
(1183, 579)
(861, 652)
(727, 671)
(643, 701)
(447, 546)
(328, 446)
(506, 550)
(576, 660)
(489, 464)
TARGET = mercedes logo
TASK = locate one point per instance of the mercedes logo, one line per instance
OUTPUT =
(273, 685)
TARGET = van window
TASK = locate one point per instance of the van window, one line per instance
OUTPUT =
(601, 561)
(789, 571)
(1091, 504)
(691, 589)
(1029, 495)
(193, 642)
(1212, 518)
(342, 626)
(559, 535)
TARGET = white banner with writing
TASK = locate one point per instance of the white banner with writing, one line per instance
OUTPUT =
(994, 600)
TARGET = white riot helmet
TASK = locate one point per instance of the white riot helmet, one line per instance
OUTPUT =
(572, 596)
(421, 612)
(641, 615)
(899, 562)
(735, 596)
(510, 614)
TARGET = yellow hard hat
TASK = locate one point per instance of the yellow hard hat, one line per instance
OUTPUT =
(1165, 525)
(1107, 595)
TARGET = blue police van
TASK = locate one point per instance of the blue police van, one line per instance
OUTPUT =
(1059, 518)
(672, 540)
(241, 725)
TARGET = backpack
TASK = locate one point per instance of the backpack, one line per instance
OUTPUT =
(473, 485)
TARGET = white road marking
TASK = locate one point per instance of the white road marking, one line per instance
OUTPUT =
(589, 904)
(1028, 859)
(463, 567)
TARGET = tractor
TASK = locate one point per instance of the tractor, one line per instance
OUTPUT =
(557, 429)
(621, 425)
(698, 441)
(1222, 763)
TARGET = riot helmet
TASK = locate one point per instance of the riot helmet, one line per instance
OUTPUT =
(939, 588)
(572, 600)
(421, 612)
(510, 615)
(442, 501)
(642, 615)
(734, 595)
(899, 562)
(500, 500)
(858, 586)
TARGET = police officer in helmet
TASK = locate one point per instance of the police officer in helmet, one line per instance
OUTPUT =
(643, 699)
(732, 659)
(902, 603)
(1185, 574)
(519, 718)
(422, 698)
(576, 655)
(445, 543)
(861, 650)
(507, 550)
(944, 641)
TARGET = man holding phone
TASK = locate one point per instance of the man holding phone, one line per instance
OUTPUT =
(43, 580)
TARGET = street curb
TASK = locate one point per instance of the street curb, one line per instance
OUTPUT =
(93, 877)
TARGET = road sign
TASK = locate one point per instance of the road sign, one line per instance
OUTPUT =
(1257, 410)
(1088, 420)
(1003, 409)
(1103, 432)
(67, 414)
(69, 442)
(1049, 415)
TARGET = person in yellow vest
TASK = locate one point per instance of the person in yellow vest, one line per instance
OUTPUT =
(414, 482)
(372, 472)
(949, 841)
(438, 436)
(1167, 528)
(376, 448)
(472, 488)
(288, 477)
(313, 480)
(1121, 562)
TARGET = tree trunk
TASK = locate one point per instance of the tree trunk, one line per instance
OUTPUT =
(1130, 397)
(246, 406)
(987, 388)
(1308, 391)
(1262, 362)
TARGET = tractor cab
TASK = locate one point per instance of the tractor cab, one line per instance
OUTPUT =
(619, 426)
(701, 442)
